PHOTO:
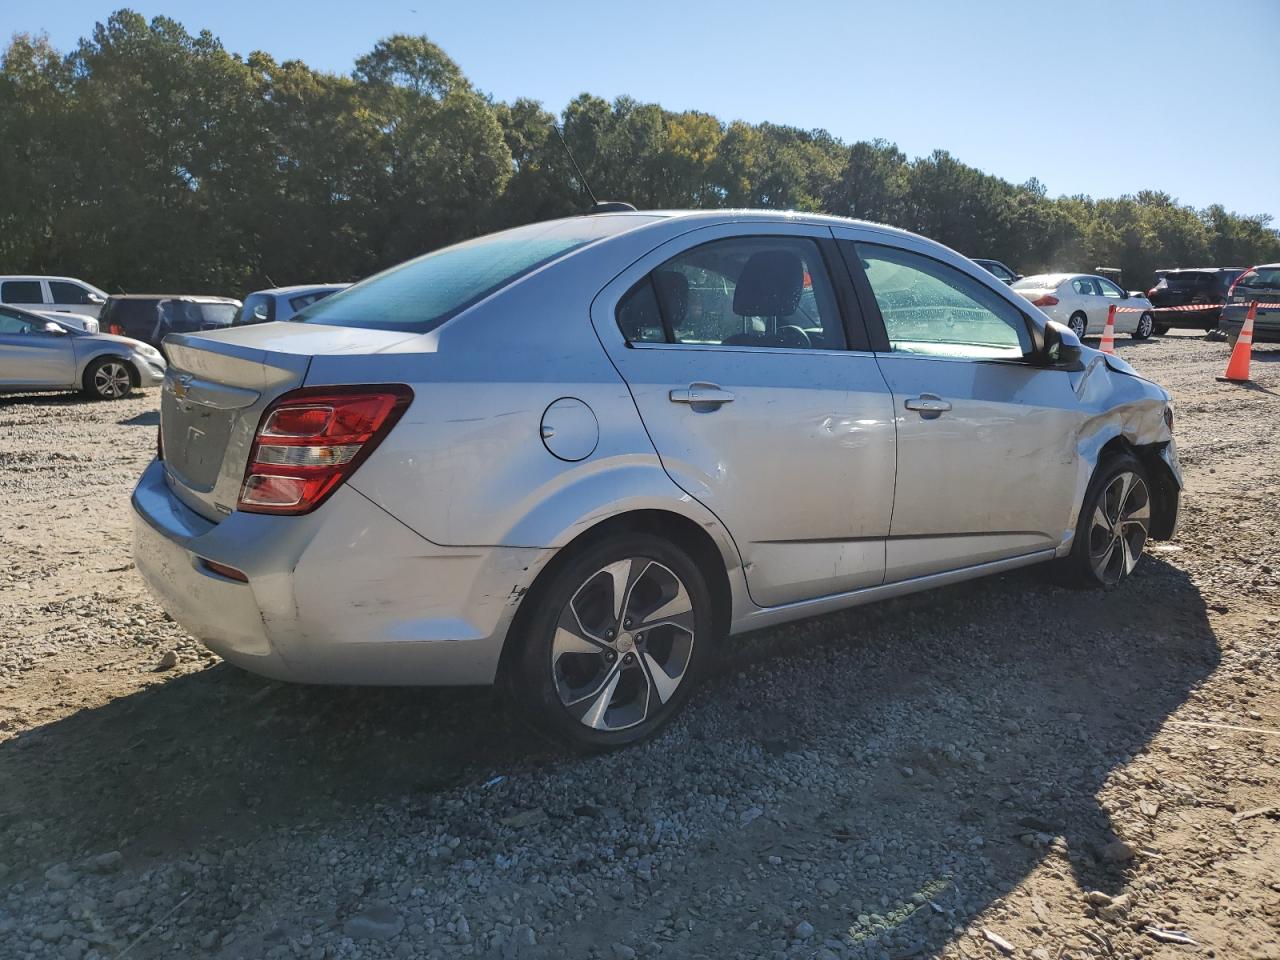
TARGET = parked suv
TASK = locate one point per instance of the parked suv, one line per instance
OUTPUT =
(1259, 284)
(60, 295)
(575, 457)
(150, 317)
(1191, 299)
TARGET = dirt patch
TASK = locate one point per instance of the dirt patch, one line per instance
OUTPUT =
(1003, 766)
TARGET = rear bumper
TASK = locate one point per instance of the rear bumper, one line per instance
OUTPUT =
(1266, 326)
(344, 595)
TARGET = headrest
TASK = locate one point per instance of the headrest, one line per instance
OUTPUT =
(770, 285)
(673, 294)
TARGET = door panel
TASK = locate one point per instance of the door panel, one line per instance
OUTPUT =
(792, 448)
(986, 441)
(992, 477)
(30, 357)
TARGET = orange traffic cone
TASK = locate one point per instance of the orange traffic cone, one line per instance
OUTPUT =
(1238, 365)
(1108, 344)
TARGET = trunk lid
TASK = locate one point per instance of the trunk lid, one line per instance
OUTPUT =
(216, 388)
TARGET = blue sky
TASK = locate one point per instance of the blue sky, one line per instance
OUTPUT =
(1101, 98)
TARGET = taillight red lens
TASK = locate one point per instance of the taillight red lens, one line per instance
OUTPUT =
(1048, 300)
(311, 440)
(115, 329)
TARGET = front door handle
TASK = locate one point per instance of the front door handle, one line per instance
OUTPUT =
(928, 405)
(707, 393)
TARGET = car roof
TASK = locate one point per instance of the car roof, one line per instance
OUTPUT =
(197, 297)
(42, 276)
(1202, 269)
(299, 288)
(1054, 278)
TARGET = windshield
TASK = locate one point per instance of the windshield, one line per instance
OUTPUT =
(422, 294)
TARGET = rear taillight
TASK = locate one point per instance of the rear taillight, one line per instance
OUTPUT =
(1151, 293)
(115, 329)
(1048, 300)
(310, 440)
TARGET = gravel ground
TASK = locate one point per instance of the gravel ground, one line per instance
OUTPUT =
(1004, 768)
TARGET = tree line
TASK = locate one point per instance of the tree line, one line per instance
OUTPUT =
(151, 159)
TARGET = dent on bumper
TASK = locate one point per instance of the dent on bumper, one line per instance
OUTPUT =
(347, 594)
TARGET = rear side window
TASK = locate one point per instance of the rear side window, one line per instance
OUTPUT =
(421, 294)
(21, 291)
(933, 309)
(1084, 286)
(738, 292)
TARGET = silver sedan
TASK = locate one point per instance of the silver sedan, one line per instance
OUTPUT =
(37, 354)
(575, 457)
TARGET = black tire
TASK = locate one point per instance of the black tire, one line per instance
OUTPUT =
(1233, 337)
(1161, 329)
(1146, 326)
(107, 378)
(560, 682)
(1082, 567)
(1079, 324)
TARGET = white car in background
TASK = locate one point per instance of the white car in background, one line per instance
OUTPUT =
(1081, 301)
(281, 303)
(67, 298)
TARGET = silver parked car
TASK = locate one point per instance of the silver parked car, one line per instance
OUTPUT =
(281, 303)
(574, 456)
(37, 354)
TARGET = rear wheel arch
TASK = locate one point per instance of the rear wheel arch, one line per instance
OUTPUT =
(675, 528)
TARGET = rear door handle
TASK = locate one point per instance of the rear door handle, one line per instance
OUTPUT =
(928, 403)
(702, 393)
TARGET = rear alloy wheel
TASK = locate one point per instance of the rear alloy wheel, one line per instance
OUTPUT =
(1078, 323)
(1146, 326)
(616, 643)
(1115, 521)
(108, 379)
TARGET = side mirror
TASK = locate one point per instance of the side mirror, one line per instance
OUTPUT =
(1062, 348)
(55, 329)
(97, 299)
(1124, 294)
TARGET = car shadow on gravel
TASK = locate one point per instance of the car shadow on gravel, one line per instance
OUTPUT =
(978, 722)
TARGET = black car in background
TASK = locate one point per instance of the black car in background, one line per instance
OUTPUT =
(149, 317)
(1200, 292)
(998, 270)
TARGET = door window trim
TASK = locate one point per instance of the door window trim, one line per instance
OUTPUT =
(879, 333)
(848, 305)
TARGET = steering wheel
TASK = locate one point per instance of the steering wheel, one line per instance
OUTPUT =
(793, 337)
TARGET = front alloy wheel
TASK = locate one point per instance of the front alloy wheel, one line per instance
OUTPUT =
(1115, 521)
(1146, 327)
(1118, 528)
(108, 379)
(614, 643)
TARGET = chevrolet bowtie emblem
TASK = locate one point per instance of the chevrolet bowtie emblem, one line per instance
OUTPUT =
(180, 385)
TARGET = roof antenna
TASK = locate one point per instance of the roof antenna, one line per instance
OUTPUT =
(597, 206)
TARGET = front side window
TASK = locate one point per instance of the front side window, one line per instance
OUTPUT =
(1108, 288)
(71, 293)
(738, 292)
(21, 291)
(932, 309)
(11, 323)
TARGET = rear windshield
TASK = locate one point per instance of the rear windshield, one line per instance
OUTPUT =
(1187, 281)
(422, 294)
(1268, 278)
